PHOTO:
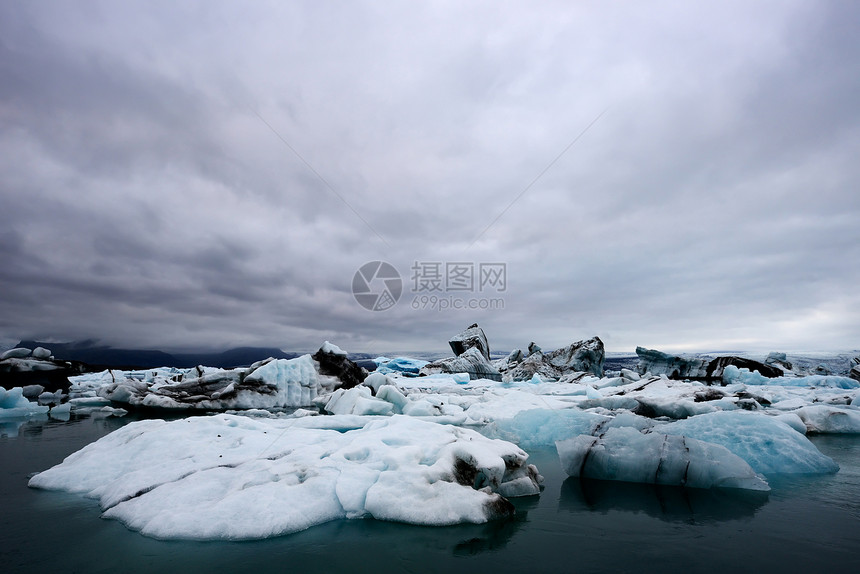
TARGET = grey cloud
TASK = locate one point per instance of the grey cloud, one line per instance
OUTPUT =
(144, 202)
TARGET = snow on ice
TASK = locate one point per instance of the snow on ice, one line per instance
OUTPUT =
(235, 477)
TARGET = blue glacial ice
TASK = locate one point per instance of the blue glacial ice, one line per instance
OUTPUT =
(733, 374)
(543, 427)
(402, 365)
(625, 454)
(13, 404)
(768, 445)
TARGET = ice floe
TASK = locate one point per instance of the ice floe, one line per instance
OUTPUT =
(767, 444)
(627, 455)
(399, 365)
(272, 383)
(733, 374)
(13, 404)
(830, 419)
(235, 477)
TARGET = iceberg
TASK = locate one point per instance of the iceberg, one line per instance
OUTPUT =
(233, 478)
(16, 353)
(13, 404)
(585, 356)
(401, 365)
(544, 427)
(676, 367)
(473, 336)
(627, 455)
(470, 361)
(830, 419)
(333, 362)
(733, 374)
(767, 444)
(273, 383)
(357, 401)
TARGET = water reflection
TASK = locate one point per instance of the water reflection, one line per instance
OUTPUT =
(11, 428)
(35, 426)
(667, 503)
(496, 534)
(402, 543)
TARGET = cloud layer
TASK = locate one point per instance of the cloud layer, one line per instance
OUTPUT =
(201, 174)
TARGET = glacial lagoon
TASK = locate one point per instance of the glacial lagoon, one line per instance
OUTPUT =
(804, 524)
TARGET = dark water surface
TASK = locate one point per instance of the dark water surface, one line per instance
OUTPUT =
(806, 524)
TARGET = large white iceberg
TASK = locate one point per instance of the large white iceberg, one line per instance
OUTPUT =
(234, 477)
(627, 455)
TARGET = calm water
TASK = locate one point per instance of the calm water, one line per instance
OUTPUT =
(809, 524)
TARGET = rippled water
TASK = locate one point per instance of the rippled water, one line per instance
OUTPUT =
(809, 524)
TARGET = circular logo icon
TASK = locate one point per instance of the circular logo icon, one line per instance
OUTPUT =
(377, 286)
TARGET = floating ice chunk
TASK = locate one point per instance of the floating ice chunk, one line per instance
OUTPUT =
(732, 374)
(272, 383)
(81, 402)
(13, 404)
(402, 365)
(112, 412)
(627, 455)
(235, 477)
(830, 419)
(768, 445)
(357, 401)
(28, 364)
(543, 427)
(48, 397)
(41, 353)
(16, 353)
(61, 412)
(296, 381)
(499, 404)
(471, 361)
(32, 391)
(630, 375)
(375, 380)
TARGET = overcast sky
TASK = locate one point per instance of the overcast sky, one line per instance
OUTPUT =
(212, 174)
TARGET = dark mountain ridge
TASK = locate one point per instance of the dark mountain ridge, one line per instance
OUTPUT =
(93, 355)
